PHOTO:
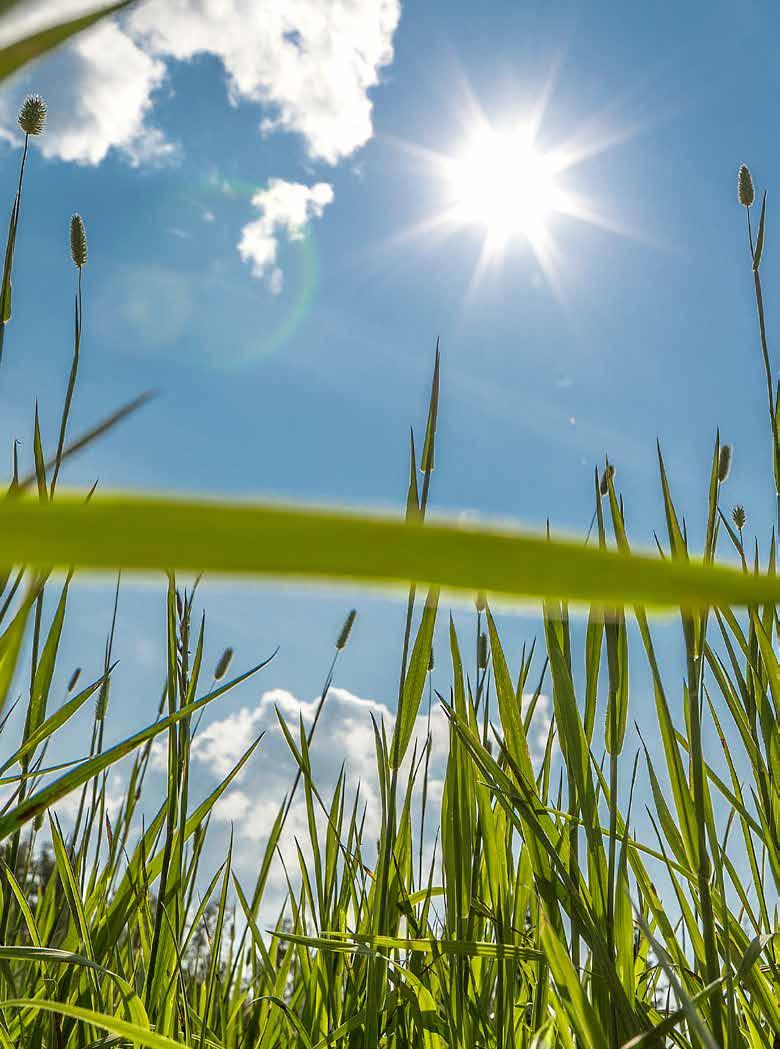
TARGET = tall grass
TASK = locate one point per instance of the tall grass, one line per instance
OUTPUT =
(538, 922)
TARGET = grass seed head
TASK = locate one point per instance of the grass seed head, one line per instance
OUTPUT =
(724, 462)
(745, 192)
(74, 678)
(223, 664)
(32, 115)
(430, 662)
(345, 631)
(482, 652)
(481, 601)
(606, 477)
(78, 241)
(739, 517)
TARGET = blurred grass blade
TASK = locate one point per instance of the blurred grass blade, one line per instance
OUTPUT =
(148, 533)
(17, 54)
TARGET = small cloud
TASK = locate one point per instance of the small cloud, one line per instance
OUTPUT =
(208, 216)
(285, 210)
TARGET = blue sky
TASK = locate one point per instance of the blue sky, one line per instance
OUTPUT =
(302, 384)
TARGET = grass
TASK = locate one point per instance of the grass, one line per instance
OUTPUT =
(539, 922)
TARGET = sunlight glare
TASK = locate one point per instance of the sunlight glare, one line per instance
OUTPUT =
(503, 183)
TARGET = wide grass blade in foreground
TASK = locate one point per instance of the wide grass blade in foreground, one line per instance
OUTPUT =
(145, 533)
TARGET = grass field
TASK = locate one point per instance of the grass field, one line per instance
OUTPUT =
(540, 921)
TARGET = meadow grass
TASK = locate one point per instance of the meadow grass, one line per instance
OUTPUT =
(538, 922)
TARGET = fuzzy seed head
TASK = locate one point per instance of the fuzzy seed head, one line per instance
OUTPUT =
(345, 631)
(482, 652)
(724, 462)
(78, 246)
(223, 664)
(738, 516)
(745, 192)
(606, 477)
(32, 115)
(481, 601)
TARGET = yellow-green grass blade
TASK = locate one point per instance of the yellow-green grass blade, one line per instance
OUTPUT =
(20, 52)
(134, 1033)
(150, 533)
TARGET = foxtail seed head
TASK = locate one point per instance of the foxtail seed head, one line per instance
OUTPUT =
(78, 242)
(223, 664)
(482, 652)
(739, 517)
(345, 631)
(745, 192)
(32, 115)
(724, 462)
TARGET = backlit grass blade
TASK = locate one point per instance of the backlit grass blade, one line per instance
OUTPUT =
(17, 54)
(132, 1033)
(148, 533)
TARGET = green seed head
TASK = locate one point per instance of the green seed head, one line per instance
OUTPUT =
(32, 115)
(724, 462)
(739, 517)
(345, 631)
(223, 664)
(78, 241)
(745, 192)
(482, 652)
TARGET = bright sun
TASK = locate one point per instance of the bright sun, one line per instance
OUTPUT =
(507, 182)
(503, 183)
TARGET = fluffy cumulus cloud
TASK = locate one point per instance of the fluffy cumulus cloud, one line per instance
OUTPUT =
(99, 90)
(285, 209)
(310, 63)
(307, 64)
(344, 739)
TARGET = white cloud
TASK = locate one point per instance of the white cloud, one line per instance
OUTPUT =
(285, 209)
(344, 737)
(312, 62)
(308, 63)
(99, 91)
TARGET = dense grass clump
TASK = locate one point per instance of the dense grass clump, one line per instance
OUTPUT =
(543, 918)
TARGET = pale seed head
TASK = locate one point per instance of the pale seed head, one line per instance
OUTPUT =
(745, 192)
(32, 115)
(78, 244)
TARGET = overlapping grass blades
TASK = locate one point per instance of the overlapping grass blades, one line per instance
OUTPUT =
(580, 890)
